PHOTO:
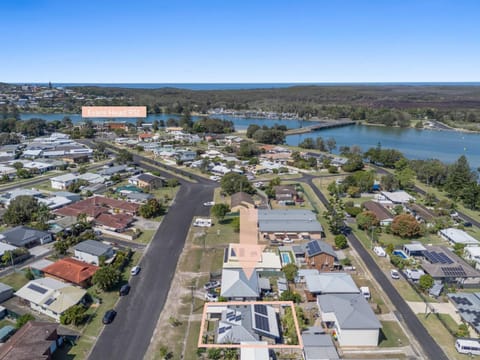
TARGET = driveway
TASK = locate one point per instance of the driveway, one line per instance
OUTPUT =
(145, 224)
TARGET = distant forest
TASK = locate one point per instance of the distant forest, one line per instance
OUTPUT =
(389, 105)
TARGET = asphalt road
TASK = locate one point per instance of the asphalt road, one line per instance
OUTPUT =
(428, 344)
(128, 337)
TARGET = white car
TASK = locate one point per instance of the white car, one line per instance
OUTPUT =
(212, 297)
(395, 274)
(135, 270)
(209, 203)
(211, 285)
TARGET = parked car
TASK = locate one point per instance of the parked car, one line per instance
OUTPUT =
(209, 203)
(211, 296)
(394, 274)
(124, 290)
(109, 316)
(467, 224)
(135, 270)
(211, 285)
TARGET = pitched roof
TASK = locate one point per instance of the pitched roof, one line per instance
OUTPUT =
(22, 235)
(149, 178)
(316, 247)
(71, 270)
(331, 283)
(380, 212)
(236, 284)
(239, 198)
(288, 221)
(93, 247)
(31, 342)
(351, 310)
(95, 206)
(115, 221)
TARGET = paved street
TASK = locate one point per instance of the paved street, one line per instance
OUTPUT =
(129, 335)
(429, 345)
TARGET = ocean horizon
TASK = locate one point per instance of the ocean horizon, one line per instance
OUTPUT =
(247, 86)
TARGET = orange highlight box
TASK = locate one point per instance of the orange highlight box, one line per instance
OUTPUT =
(290, 304)
(114, 111)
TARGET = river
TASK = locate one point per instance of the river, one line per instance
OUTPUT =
(414, 143)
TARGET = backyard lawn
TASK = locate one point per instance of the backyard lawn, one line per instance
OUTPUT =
(16, 280)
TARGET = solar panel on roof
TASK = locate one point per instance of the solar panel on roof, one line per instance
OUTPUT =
(261, 323)
(313, 248)
(37, 288)
(49, 301)
(221, 330)
(238, 318)
(454, 271)
(261, 309)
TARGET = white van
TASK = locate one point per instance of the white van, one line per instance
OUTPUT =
(365, 292)
(468, 346)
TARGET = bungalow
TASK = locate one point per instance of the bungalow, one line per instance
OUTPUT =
(381, 213)
(329, 283)
(457, 236)
(291, 224)
(318, 346)
(285, 193)
(236, 286)
(186, 155)
(91, 251)
(421, 213)
(414, 249)
(321, 256)
(268, 261)
(62, 182)
(351, 317)
(145, 137)
(398, 197)
(72, 271)
(50, 297)
(472, 253)
(147, 181)
(468, 307)
(22, 236)
(35, 340)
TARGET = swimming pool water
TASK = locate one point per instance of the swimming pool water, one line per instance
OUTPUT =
(285, 258)
(400, 253)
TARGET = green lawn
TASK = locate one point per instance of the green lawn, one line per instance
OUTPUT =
(145, 237)
(441, 336)
(219, 233)
(392, 335)
(450, 323)
(16, 280)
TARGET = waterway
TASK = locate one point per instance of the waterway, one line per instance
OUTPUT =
(414, 143)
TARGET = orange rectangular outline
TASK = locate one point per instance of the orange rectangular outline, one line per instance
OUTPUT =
(114, 111)
(238, 346)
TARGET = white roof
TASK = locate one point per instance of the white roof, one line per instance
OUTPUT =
(91, 177)
(398, 196)
(36, 290)
(458, 236)
(269, 260)
(64, 178)
(474, 251)
(414, 247)
(36, 165)
(55, 202)
(6, 247)
(331, 283)
(258, 351)
(32, 152)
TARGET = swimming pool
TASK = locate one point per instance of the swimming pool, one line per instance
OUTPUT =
(285, 258)
(400, 253)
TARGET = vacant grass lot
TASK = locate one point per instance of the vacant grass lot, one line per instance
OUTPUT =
(392, 335)
(16, 280)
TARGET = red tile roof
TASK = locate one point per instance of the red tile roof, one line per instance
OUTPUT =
(95, 206)
(114, 221)
(71, 270)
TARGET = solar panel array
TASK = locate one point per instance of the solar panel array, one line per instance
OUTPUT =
(37, 288)
(261, 323)
(313, 248)
(460, 300)
(454, 271)
(49, 301)
(260, 309)
(437, 257)
(475, 314)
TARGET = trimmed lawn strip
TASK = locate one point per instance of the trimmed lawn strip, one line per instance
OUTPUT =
(192, 341)
(16, 279)
(441, 336)
(145, 237)
(392, 335)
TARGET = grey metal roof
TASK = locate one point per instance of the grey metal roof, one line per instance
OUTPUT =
(316, 247)
(5, 287)
(112, 170)
(139, 196)
(93, 247)
(236, 284)
(331, 283)
(319, 347)
(351, 310)
(22, 235)
(468, 306)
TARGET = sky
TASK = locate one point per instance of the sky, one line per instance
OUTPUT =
(247, 41)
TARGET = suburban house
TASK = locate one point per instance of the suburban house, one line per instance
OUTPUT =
(259, 350)
(62, 182)
(381, 213)
(91, 251)
(240, 323)
(318, 346)
(414, 249)
(444, 265)
(457, 236)
(22, 236)
(6, 292)
(50, 297)
(351, 317)
(320, 255)
(147, 181)
(291, 224)
(468, 307)
(285, 192)
(236, 286)
(398, 197)
(72, 271)
(329, 283)
(111, 214)
(241, 199)
(35, 340)
(269, 261)
(472, 253)
(6, 247)
(420, 212)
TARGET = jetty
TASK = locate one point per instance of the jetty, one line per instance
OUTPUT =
(320, 125)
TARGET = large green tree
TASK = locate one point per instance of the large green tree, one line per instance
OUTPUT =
(106, 278)
(74, 315)
(406, 226)
(232, 183)
(459, 174)
(151, 209)
(219, 211)
(21, 210)
(366, 219)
